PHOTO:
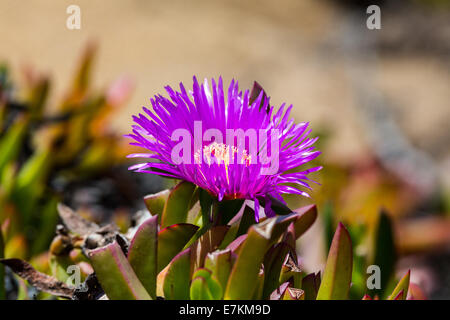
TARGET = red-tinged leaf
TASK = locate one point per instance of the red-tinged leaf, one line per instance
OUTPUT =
(142, 254)
(311, 284)
(337, 276)
(302, 219)
(177, 205)
(273, 262)
(220, 264)
(171, 241)
(207, 243)
(403, 286)
(177, 277)
(415, 292)
(236, 245)
(294, 294)
(155, 202)
(399, 296)
(244, 275)
(306, 218)
(116, 275)
(278, 293)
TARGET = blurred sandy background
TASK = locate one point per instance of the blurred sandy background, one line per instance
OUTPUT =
(293, 48)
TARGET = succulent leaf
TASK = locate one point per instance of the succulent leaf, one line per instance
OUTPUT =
(116, 275)
(177, 277)
(171, 240)
(176, 207)
(401, 290)
(244, 275)
(311, 285)
(142, 254)
(220, 264)
(337, 276)
(204, 286)
(155, 203)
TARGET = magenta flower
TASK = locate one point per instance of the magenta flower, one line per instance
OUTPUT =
(229, 146)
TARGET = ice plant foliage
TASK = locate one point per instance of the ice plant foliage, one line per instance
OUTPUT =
(233, 146)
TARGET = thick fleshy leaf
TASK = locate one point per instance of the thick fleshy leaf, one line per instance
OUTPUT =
(176, 207)
(258, 292)
(236, 245)
(155, 202)
(311, 285)
(273, 262)
(171, 240)
(401, 290)
(116, 275)
(142, 254)
(385, 253)
(302, 219)
(220, 264)
(244, 275)
(207, 243)
(205, 286)
(177, 277)
(306, 217)
(337, 276)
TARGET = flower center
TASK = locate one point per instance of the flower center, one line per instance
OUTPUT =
(222, 153)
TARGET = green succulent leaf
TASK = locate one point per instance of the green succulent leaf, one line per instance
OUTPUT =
(177, 278)
(401, 290)
(243, 279)
(337, 276)
(204, 286)
(207, 243)
(171, 241)
(220, 264)
(116, 275)
(176, 207)
(142, 254)
(155, 203)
